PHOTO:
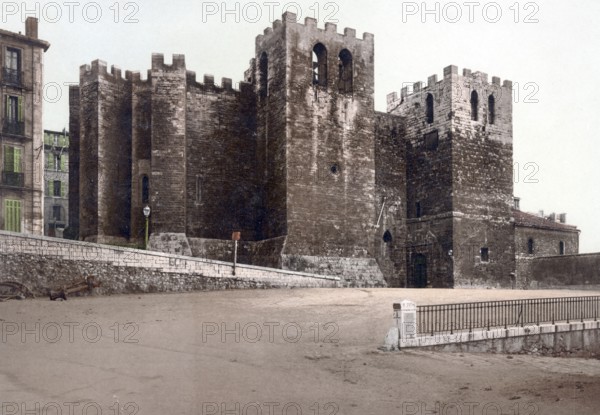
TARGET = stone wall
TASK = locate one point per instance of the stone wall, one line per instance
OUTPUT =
(263, 253)
(42, 263)
(565, 271)
(459, 180)
(223, 194)
(105, 153)
(330, 144)
(168, 179)
(390, 198)
(72, 231)
(546, 241)
(353, 272)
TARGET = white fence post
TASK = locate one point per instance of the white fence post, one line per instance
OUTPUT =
(405, 314)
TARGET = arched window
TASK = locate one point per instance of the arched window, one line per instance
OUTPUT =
(145, 190)
(561, 247)
(429, 105)
(474, 106)
(264, 75)
(346, 75)
(387, 237)
(492, 109)
(320, 65)
(530, 246)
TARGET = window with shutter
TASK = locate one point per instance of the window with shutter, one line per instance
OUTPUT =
(12, 215)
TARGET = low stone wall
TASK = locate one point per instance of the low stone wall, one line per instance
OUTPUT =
(264, 253)
(561, 339)
(42, 263)
(355, 272)
(562, 271)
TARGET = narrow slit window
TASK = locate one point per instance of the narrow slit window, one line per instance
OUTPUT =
(264, 75)
(530, 246)
(429, 106)
(485, 255)
(198, 189)
(346, 75)
(320, 65)
(145, 190)
(492, 109)
(561, 248)
(474, 106)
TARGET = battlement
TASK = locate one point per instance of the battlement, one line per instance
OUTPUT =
(99, 68)
(158, 63)
(209, 84)
(450, 73)
(311, 24)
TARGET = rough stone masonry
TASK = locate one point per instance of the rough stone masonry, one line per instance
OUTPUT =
(299, 161)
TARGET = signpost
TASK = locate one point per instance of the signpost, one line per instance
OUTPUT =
(235, 237)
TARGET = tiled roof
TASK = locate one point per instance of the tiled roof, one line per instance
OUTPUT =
(533, 221)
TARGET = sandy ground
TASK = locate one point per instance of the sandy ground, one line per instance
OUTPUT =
(169, 354)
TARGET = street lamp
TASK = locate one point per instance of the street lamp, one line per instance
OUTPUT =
(147, 215)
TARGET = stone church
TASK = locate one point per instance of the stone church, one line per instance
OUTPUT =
(298, 161)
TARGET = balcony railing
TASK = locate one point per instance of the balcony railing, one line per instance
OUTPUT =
(13, 179)
(14, 127)
(11, 76)
(449, 318)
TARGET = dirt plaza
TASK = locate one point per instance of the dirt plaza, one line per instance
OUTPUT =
(266, 352)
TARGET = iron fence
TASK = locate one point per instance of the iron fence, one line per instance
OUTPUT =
(14, 127)
(444, 318)
(11, 76)
(13, 179)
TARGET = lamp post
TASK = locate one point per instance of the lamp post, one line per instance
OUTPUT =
(147, 215)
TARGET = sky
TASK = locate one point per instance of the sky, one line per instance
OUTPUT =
(549, 49)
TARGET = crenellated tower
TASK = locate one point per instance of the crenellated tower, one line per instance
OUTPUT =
(315, 111)
(105, 153)
(459, 180)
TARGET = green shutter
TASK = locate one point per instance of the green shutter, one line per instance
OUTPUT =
(12, 215)
(12, 159)
(50, 187)
(63, 190)
(50, 161)
(9, 159)
(18, 157)
(17, 216)
(63, 163)
(20, 109)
